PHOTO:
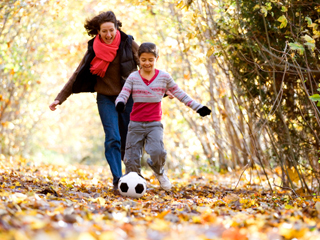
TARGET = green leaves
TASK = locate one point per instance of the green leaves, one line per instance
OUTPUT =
(263, 9)
(316, 98)
(297, 47)
(308, 20)
(310, 42)
(283, 21)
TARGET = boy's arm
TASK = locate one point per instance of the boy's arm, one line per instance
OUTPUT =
(124, 95)
(186, 99)
(182, 95)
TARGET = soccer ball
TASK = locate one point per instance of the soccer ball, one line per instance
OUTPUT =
(132, 185)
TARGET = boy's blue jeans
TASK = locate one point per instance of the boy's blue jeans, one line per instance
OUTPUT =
(115, 126)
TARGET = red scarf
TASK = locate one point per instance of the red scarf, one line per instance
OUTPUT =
(105, 53)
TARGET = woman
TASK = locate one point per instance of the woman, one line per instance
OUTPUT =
(110, 58)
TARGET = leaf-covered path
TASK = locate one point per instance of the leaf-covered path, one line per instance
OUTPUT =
(49, 202)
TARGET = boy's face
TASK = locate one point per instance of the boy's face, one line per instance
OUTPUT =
(148, 62)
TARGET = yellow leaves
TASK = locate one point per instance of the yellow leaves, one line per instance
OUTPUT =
(316, 34)
(17, 197)
(288, 206)
(264, 11)
(163, 214)
(317, 206)
(160, 225)
(109, 235)
(88, 236)
(263, 8)
(231, 198)
(18, 235)
(283, 20)
(256, 7)
(17, 184)
(101, 201)
(247, 203)
(196, 201)
(190, 35)
(294, 176)
(36, 224)
(309, 42)
(186, 49)
(8, 125)
(199, 61)
(210, 51)
(290, 231)
(180, 4)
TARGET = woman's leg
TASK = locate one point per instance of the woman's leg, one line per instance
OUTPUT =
(124, 119)
(109, 119)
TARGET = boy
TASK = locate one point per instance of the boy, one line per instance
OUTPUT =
(148, 86)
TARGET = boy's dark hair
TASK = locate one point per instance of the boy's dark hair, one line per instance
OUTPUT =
(93, 25)
(148, 47)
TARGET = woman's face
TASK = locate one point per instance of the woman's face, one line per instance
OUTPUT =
(107, 32)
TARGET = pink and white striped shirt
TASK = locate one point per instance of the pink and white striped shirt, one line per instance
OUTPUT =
(154, 92)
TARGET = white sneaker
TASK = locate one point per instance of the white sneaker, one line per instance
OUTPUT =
(164, 181)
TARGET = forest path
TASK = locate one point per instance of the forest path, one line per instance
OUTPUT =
(43, 201)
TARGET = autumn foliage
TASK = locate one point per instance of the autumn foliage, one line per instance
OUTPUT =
(249, 171)
(77, 202)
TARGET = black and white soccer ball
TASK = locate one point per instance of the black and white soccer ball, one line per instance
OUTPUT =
(132, 185)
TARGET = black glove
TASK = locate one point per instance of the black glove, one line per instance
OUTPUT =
(204, 111)
(120, 107)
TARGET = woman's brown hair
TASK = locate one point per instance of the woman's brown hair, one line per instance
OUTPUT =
(93, 25)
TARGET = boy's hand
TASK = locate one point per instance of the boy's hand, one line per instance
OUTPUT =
(169, 94)
(120, 107)
(204, 111)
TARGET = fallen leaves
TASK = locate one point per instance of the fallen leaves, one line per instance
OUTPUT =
(77, 203)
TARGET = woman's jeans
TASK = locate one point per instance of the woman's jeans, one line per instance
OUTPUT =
(115, 126)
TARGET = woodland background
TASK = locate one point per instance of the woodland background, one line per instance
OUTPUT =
(254, 63)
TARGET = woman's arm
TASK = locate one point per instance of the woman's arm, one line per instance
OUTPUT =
(67, 89)
(135, 47)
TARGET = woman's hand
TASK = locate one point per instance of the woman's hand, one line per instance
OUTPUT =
(53, 105)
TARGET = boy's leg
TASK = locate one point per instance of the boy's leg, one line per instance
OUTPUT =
(134, 144)
(155, 148)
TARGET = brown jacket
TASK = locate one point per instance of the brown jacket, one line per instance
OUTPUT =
(109, 85)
